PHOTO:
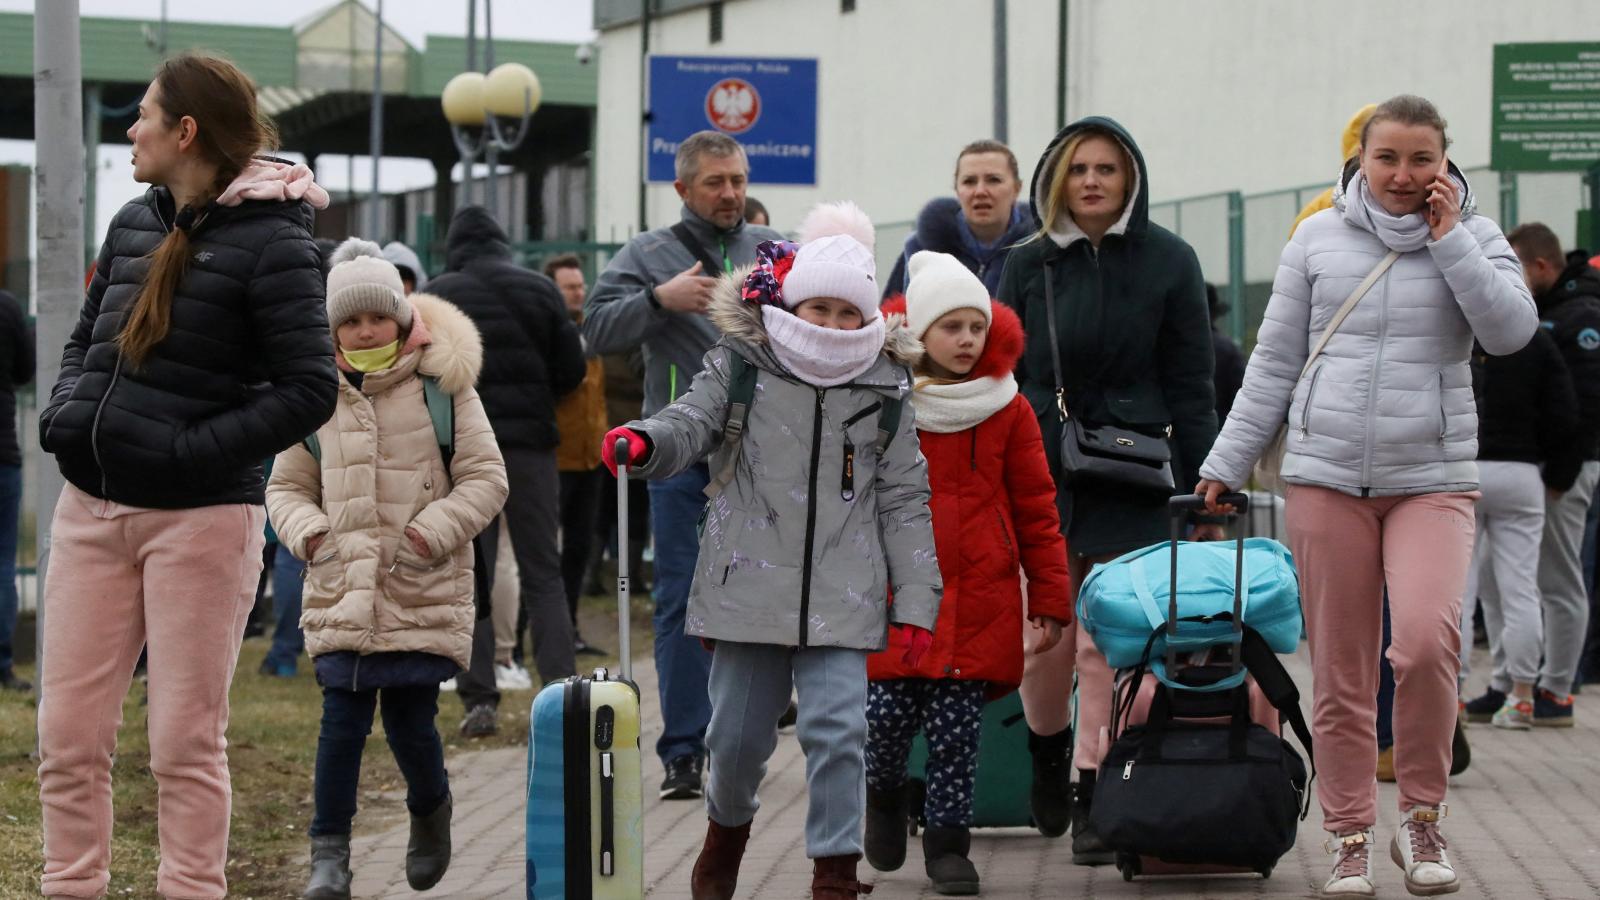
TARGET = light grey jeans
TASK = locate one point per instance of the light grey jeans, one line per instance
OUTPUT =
(1505, 571)
(750, 685)
(1565, 602)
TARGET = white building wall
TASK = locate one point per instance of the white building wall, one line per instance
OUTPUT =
(1221, 95)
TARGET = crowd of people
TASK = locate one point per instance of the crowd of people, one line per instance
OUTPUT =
(434, 453)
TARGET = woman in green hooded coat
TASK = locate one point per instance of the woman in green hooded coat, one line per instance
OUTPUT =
(1134, 351)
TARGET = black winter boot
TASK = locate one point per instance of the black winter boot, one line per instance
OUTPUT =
(888, 818)
(330, 868)
(944, 853)
(428, 850)
(1087, 849)
(1050, 796)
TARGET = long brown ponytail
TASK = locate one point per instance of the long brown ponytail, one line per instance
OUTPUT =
(222, 101)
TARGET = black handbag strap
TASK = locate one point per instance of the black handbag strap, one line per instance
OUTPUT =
(1055, 341)
(686, 238)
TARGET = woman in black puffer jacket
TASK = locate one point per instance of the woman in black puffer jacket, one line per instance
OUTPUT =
(202, 349)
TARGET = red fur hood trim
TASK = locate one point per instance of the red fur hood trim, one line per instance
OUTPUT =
(1006, 339)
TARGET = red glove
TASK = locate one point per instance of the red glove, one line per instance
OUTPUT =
(638, 447)
(918, 642)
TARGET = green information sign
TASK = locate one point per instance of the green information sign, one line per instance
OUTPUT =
(1546, 115)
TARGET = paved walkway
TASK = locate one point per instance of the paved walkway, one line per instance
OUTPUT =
(1531, 798)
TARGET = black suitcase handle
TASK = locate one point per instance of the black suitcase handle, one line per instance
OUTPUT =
(1178, 508)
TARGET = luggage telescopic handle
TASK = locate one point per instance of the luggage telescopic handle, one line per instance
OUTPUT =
(1177, 506)
(1194, 503)
(624, 603)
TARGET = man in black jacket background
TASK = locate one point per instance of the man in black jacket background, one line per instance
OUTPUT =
(532, 357)
(16, 369)
(1568, 297)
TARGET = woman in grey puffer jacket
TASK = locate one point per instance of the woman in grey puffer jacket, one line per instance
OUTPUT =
(1382, 443)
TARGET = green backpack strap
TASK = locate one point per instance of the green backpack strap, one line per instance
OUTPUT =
(441, 412)
(741, 393)
(889, 423)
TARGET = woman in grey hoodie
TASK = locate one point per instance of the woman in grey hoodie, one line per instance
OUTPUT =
(1381, 449)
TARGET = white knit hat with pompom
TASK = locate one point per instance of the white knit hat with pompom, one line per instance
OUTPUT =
(361, 280)
(835, 259)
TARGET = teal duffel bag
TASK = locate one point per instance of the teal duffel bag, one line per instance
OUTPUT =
(1123, 603)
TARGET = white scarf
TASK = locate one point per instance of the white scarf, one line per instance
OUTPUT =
(822, 357)
(1401, 234)
(948, 408)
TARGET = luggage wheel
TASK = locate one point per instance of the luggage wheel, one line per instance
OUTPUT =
(1266, 872)
(1128, 865)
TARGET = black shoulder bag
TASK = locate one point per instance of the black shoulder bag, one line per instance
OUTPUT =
(1104, 453)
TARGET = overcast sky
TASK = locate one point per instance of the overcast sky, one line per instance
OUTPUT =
(550, 20)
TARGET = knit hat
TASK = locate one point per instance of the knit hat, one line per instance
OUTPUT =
(938, 284)
(361, 280)
(835, 260)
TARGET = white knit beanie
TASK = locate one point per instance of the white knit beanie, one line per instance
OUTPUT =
(361, 280)
(938, 284)
(837, 266)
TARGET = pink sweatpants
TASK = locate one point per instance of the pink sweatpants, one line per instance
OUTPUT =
(1346, 550)
(1047, 681)
(120, 577)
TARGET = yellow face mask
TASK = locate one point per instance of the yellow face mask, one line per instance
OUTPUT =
(375, 360)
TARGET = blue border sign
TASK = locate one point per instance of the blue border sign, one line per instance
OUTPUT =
(767, 105)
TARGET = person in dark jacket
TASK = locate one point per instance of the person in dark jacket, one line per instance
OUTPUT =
(979, 225)
(532, 357)
(1526, 416)
(1229, 374)
(1568, 297)
(1135, 352)
(201, 349)
(16, 368)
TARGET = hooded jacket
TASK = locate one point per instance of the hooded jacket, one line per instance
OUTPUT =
(245, 370)
(994, 516)
(1135, 347)
(622, 313)
(791, 552)
(406, 260)
(532, 355)
(1387, 409)
(941, 226)
(1527, 411)
(382, 471)
(1570, 311)
(1349, 145)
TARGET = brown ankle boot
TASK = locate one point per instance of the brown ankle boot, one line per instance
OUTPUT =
(717, 870)
(834, 878)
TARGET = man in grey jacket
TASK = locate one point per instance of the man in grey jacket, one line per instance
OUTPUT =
(654, 294)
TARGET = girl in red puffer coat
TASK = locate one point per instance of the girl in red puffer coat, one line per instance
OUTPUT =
(994, 519)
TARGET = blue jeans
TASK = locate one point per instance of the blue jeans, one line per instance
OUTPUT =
(287, 584)
(683, 667)
(407, 723)
(10, 502)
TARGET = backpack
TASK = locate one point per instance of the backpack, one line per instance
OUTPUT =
(742, 392)
(441, 411)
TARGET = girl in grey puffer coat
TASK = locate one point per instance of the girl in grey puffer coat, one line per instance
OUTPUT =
(819, 508)
(1381, 467)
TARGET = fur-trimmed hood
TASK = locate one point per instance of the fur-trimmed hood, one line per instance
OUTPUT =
(741, 321)
(1003, 348)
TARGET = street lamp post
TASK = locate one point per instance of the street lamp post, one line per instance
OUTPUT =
(473, 100)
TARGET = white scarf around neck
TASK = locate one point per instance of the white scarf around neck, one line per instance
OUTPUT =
(822, 357)
(1401, 234)
(944, 408)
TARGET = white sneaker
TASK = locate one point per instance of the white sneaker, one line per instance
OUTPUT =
(1418, 848)
(511, 677)
(1514, 715)
(1352, 870)
(447, 686)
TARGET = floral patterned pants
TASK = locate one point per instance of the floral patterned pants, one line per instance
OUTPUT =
(949, 714)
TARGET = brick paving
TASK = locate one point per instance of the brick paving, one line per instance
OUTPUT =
(1524, 823)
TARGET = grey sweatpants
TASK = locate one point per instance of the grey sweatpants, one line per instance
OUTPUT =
(1505, 571)
(750, 685)
(1565, 602)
